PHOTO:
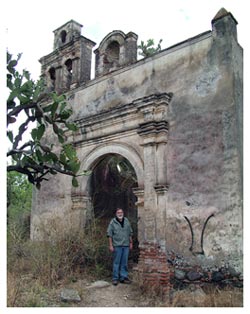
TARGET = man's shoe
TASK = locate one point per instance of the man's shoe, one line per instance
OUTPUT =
(126, 281)
(115, 282)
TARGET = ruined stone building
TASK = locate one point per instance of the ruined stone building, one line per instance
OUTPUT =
(173, 121)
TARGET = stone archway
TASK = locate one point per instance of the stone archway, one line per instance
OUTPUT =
(110, 186)
(92, 158)
(122, 149)
(82, 197)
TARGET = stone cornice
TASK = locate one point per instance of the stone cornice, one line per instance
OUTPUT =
(161, 188)
(144, 105)
(154, 99)
(152, 127)
(138, 191)
(146, 116)
(106, 138)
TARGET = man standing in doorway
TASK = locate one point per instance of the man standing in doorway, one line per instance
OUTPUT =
(120, 242)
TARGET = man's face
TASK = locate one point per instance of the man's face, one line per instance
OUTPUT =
(119, 214)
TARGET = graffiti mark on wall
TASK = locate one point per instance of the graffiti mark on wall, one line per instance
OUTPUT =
(191, 248)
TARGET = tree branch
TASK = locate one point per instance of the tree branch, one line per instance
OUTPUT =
(38, 169)
(19, 108)
(21, 149)
(18, 151)
(29, 143)
(22, 129)
(21, 170)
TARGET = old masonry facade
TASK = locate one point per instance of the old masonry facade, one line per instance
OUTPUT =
(176, 117)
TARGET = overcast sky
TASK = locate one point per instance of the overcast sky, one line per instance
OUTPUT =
(29, 27)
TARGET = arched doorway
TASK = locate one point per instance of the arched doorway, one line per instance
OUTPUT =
(110, 186)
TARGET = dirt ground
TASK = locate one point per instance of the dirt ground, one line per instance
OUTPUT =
(132, 296)
(101, 293)
(30, 293)
(122, 295)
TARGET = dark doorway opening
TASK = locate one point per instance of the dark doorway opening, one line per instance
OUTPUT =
(111, 186)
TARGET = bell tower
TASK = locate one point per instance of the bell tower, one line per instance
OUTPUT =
(115, 51)
(69, 65)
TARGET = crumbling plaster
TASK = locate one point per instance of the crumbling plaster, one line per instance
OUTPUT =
(189, 170)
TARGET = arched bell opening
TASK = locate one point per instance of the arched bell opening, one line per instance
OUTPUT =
(112, 56)
(63, 36)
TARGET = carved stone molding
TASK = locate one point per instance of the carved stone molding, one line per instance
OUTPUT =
(152, 127)
(154, 99)
(153, 132)
(79, 201)
(161, 189)
(139, 193)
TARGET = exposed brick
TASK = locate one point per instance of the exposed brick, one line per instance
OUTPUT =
(153, 267)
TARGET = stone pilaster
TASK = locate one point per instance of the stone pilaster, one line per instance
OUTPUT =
(153, 268)
(154, 131)
(75, 72)
(161, 191)
(58, 80)
(81, 208)
(149, 192)
(139, 193)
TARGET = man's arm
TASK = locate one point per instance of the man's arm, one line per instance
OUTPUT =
(130, 243)
(130, 237)
(111, 248)
(109, 234)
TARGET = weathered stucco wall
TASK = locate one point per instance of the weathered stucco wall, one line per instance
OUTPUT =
(189, 168)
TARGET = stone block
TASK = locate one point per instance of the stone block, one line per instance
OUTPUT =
(70, 295)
